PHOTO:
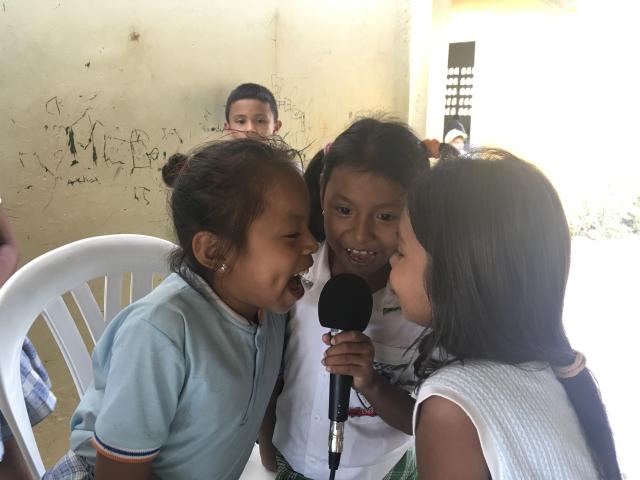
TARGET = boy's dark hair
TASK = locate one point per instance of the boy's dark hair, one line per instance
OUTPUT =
(220, 187)
(251, 91)
(500, 251)
(386, 147)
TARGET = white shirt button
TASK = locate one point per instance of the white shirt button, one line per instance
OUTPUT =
(316, 417)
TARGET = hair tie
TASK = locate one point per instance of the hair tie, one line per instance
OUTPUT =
(327, 148)
(570, 371)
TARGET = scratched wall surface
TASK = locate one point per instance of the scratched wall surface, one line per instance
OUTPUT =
(94, 96)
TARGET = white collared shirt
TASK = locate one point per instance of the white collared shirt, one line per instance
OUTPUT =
(371, 446)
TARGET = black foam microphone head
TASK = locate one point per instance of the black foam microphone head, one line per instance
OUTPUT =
(345, 303)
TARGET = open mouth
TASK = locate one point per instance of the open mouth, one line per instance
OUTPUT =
(360, 257)
(295, 284)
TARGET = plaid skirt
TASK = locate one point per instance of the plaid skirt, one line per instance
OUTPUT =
(71, 467)
(405, 469)
(36, 388)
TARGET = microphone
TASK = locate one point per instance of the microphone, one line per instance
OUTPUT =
(345, 304)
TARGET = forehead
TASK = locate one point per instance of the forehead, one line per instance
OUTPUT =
(250, 107)
(286, 197)
(364, 187)
(406, 234)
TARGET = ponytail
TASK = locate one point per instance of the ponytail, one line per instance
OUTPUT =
(584, 395)
(173, 168)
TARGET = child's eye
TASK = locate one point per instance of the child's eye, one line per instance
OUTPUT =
(386, 217)
(293, 236)
(343, 210)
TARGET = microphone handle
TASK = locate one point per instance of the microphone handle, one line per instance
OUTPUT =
(339, 394)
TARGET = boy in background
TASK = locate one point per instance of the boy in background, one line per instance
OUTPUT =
(251, 110)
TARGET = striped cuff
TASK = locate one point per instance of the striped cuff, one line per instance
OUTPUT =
(123, 455)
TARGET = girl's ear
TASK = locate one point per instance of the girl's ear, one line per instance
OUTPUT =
(205, 249)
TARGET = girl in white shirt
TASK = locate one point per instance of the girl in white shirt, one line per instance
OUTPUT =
(358, 187)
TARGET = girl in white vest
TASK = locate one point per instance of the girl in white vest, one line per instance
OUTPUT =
(482, 263)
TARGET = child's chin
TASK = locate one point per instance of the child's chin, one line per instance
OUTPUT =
(282, 307)
(418, 319)
(286, 303)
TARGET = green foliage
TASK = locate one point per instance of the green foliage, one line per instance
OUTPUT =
(632, 219)
(607, 221)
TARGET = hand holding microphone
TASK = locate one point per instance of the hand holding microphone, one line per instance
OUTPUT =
(351, 353)
(345, 304)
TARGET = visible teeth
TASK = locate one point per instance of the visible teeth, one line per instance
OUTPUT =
(360, 252)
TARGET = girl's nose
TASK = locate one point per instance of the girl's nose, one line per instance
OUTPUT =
(310, 243)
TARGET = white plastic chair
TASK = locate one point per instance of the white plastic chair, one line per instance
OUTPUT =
(37, 288)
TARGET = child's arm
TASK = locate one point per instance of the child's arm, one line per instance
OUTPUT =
(141, 394)
(12, 465)
(265, 435)
(107, 469)
(444, 436)
(352, 354)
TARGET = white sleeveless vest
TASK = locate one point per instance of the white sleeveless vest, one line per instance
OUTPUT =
(525, 421)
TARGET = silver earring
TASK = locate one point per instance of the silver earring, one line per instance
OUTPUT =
(323, 212)
(222, 268)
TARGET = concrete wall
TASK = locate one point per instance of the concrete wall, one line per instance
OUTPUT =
(94, 96)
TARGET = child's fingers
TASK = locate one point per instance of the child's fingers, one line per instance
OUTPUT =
(346, 360)
(351, 370)
(352, 354)
(361, 349)
(351, 336)
(353, 365)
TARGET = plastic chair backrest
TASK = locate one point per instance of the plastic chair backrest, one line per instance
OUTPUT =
(37, 288)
